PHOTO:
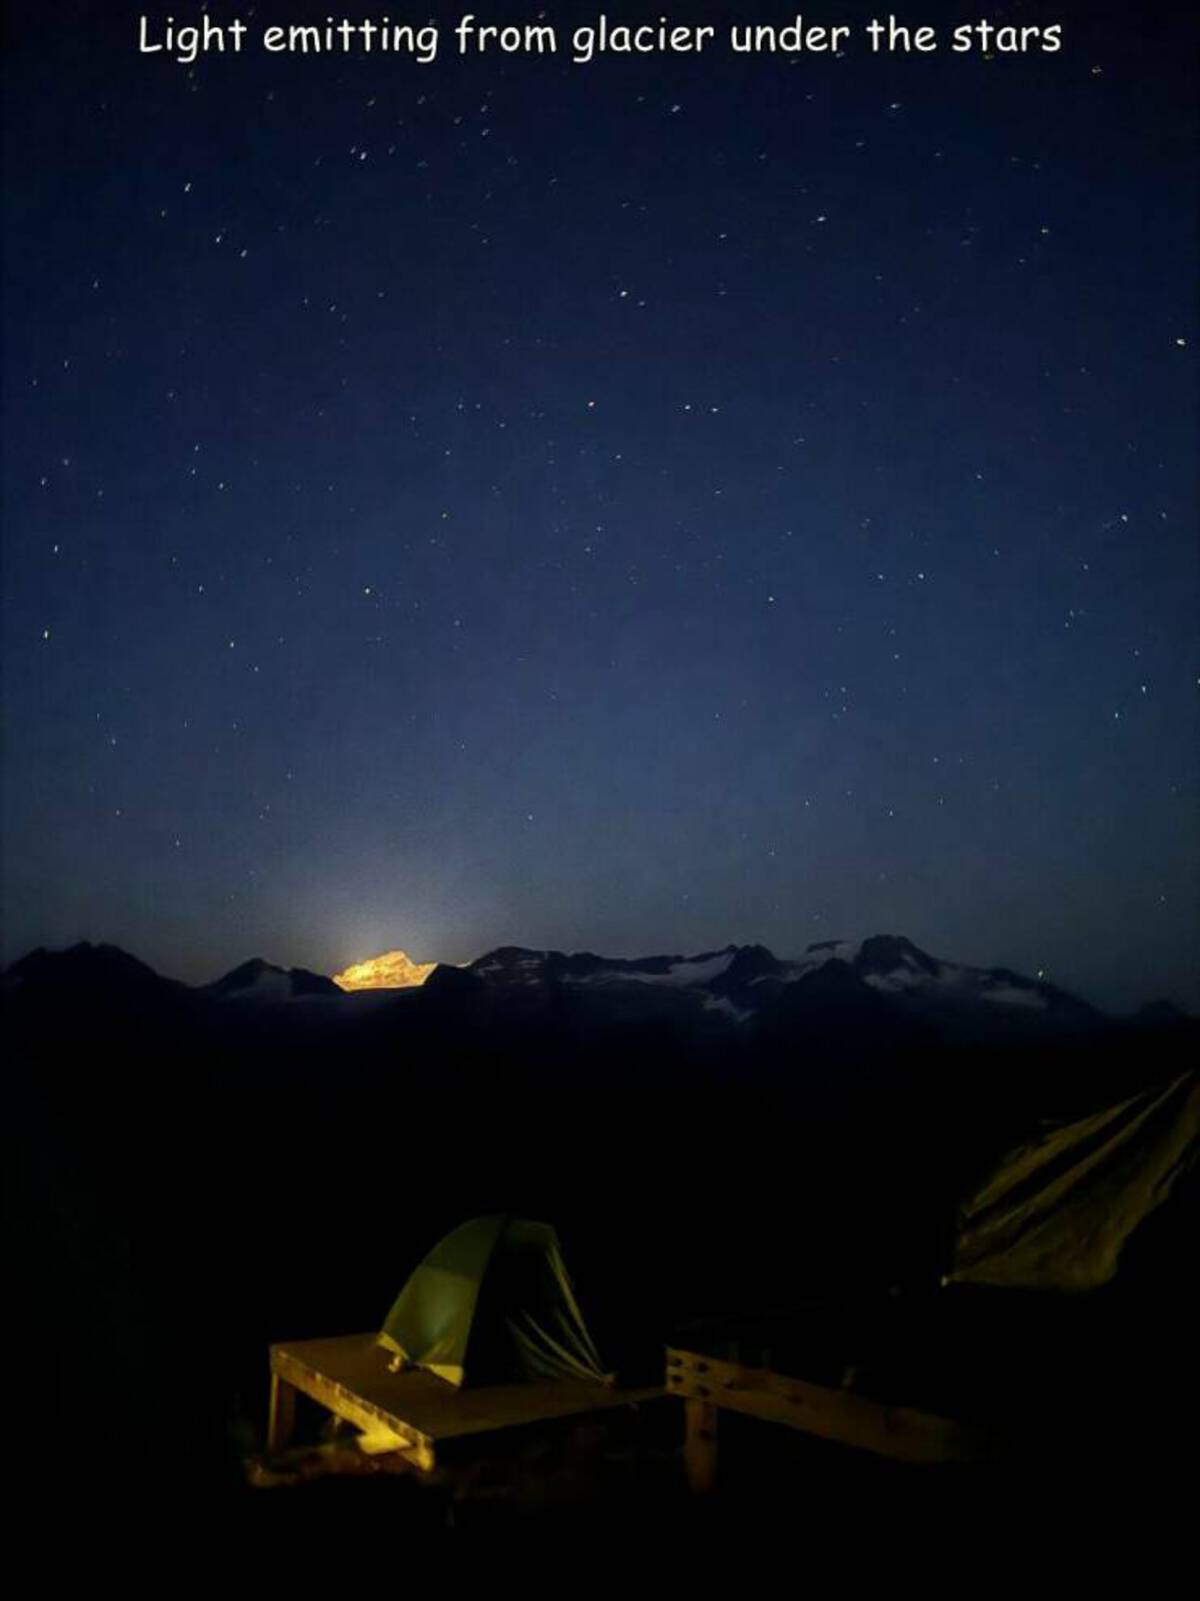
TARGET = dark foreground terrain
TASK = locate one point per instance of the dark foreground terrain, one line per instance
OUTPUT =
(196, 1175)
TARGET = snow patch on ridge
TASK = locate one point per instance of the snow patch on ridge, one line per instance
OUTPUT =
(687, 973)
(1011, 995)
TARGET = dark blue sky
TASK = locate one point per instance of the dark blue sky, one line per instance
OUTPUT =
(635, 506)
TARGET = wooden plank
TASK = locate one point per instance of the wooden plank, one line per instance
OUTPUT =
(700, 1446)
(902, 1433)
(381, 1431)
(350, 1376)
(281, 1417)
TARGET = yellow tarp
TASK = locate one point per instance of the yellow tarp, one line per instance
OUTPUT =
(1058, 1211)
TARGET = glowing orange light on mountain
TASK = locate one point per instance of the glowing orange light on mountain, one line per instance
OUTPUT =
(391, 971)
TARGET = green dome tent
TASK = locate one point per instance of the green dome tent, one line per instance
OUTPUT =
(492, 1304)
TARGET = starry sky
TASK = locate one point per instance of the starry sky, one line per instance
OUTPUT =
(633, 506)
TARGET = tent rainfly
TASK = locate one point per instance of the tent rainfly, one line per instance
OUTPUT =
(1057, 1213)
(492, 1303)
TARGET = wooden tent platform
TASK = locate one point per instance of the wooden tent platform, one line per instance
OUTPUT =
(413, 1413)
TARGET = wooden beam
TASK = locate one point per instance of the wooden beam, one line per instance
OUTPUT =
(383, 1442)
(903, 1433)
(281, 1415)
(700, 1446)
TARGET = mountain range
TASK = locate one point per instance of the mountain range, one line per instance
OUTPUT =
(882, 985)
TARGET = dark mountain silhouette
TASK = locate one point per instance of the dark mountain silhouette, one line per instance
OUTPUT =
(1159, 1014)
(867, 991)
(102, 972)
(263, 981)
(873, 988)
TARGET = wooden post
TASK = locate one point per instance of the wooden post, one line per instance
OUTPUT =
(700, 1449)
(281, 1419)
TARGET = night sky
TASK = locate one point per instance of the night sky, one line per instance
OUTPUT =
(634, 506)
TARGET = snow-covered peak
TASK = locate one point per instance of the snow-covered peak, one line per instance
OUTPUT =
(892, 965)
(829, 950)
(675, 972)
(392, 971)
